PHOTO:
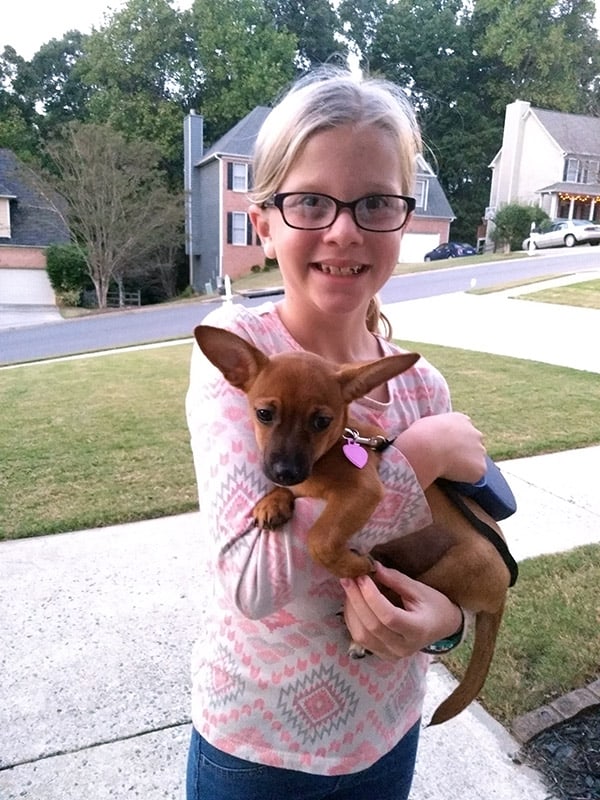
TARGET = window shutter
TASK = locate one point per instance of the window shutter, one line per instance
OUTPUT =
(229, 227)
(248, 230)
(230, 175)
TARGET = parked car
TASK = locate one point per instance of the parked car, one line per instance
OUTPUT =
(450, 250)
(565, 233)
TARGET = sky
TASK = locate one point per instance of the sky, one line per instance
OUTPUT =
(28, 24)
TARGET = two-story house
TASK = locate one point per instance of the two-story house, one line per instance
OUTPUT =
(220, 240)
(549, 159)
(30, 221)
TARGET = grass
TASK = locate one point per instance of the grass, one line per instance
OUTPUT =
(97, 441)
(550, 636)
(584, 295)
(94, 441)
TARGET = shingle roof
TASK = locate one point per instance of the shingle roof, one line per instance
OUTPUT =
(574, 133)
(240, 139)
(35, 218)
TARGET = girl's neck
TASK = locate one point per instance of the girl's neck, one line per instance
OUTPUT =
(341, 339)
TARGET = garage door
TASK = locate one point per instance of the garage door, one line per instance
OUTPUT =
(415, 245)
(25, 287)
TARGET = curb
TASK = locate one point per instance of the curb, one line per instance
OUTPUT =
(561, 709)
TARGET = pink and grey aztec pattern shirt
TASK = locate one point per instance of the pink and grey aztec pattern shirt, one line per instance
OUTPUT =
(272, 680)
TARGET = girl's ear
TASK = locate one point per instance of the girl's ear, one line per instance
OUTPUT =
(260, 221)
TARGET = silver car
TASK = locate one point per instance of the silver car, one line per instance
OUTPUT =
(565, 233)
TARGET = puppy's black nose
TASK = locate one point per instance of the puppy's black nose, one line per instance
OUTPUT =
(287, 473)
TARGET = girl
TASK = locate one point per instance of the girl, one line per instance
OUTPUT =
(279, 709)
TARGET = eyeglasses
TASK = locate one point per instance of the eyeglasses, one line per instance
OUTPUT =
(312, 211)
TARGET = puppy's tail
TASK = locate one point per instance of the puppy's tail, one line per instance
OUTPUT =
(486, 631)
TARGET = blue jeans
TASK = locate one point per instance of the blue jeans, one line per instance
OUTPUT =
(214, 775)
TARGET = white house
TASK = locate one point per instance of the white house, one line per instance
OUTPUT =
(549, 159)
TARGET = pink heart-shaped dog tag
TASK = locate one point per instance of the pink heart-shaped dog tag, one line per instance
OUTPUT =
(355, 454)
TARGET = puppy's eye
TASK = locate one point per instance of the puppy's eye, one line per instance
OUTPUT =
(264, 415)
(320, 422)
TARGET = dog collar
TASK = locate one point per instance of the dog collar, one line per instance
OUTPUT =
(354, 446)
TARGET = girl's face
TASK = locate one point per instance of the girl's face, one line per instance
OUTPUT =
(336, 270)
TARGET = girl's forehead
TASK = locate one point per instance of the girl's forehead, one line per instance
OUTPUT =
(354, 154)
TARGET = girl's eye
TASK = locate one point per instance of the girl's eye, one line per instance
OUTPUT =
(321, 422)
(374, 202)
(311, 201)
(264, 415)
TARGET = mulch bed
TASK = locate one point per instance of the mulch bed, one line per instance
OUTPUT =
(568, 756)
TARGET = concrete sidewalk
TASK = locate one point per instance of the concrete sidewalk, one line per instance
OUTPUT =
(97, 626)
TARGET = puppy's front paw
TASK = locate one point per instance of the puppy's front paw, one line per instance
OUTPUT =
(274, 509)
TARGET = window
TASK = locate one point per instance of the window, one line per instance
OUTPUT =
(421, 193)
(239, 228)
(577, 171)
(571, 170)
(237, 177)
(4, 218)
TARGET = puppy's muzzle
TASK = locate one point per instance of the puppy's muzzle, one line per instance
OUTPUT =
(284, 470)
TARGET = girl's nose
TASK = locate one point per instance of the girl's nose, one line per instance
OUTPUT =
(343, 229)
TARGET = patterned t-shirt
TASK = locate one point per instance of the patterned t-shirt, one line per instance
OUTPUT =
(272, 679)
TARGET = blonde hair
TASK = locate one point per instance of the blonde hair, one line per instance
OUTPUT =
(329, 98)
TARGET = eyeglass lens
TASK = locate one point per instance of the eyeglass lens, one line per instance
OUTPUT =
(377, 212)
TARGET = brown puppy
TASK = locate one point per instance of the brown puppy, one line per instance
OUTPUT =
(299, 407)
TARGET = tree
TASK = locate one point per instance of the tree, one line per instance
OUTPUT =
(139, 69)
(56, 84)
(19, 129)
(543, 51)
(317, 28)
(242, 59)
(119, 210)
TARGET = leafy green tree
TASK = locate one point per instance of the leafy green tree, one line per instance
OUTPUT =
(139, 70)
(542, 51)
(19, 130)
(317, 28)
(119, 210)
(56, 82)
(242, 60)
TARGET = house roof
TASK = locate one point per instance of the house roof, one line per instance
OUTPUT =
(574, 133)
(239, 141)
(437, 202)
(34, 211)
(572, 188)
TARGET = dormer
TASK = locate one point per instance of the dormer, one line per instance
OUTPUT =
(5, 198)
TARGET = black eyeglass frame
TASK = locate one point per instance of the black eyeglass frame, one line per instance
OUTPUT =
(277, 200)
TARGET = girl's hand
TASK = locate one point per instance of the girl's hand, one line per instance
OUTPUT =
(391, 632)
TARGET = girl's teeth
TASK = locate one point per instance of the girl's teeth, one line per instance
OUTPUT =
(341, 270)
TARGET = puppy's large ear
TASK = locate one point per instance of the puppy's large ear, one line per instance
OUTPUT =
(238, 360)
(358, 380)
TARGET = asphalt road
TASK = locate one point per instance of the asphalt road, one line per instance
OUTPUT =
(158, 323)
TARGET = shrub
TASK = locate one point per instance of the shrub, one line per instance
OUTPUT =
(513, 224)
(67, 271)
